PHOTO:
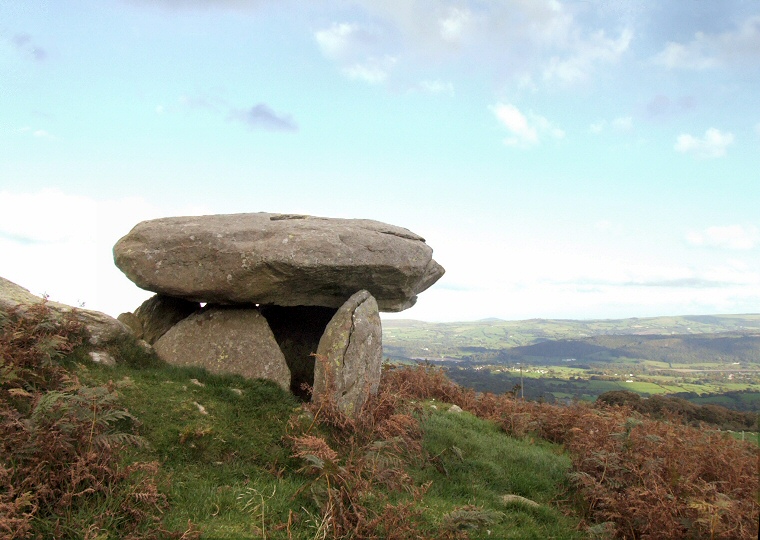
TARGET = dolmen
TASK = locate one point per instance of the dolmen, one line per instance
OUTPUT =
(262, 295)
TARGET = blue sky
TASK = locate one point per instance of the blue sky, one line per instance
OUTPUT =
(589, 159)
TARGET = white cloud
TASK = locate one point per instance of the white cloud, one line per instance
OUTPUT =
(524, 40)
(454, 24)
(437, 87)
(373, 71)
(623, 123)
(335, 42)
(736, 237)
(65, 250)
(586, 53)
(712, 145)
(358, 49)
(733, 272)
(740, 47)
(560, 280)
(36, 132)
(526, 130)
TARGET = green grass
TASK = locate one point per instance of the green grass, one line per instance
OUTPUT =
(476, 464)
(229, 470)
(213, 460)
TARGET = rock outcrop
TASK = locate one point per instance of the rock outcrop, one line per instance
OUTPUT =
(101, 328)
(226, 340)
(350, 354)
(285, 260)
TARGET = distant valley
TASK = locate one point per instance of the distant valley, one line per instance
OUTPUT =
(707, 358)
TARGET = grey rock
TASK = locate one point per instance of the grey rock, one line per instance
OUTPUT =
(455, 409)
(131, 321)
(102, 328)
(350, 354)
(226, 341)
(102, 357)
(159, 313)
(298, 331)
(277, 259)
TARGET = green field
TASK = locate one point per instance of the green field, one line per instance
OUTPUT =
(707, 359)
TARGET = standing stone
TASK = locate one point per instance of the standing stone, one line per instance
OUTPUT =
(285, 260)
(226, 341)
(350, 354)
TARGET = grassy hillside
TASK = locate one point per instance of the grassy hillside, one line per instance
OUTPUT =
(146, 451)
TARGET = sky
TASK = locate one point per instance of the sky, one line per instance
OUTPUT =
(564, 159)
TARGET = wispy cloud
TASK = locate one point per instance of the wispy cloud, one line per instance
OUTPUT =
(36, 132)
(455, 24)
(735, 237)
(201, 102)
(586, 54)
(258, 117)
(526, 130)
(528, 41)
(241, 5)
(372, 71)
(261, 116)
(360, 50)
(338, 40)
(712, 145)
(687, 283)
(437, 87)
(619, 124)
(739, 47)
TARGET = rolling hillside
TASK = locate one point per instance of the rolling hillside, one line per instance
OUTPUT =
(682, 340)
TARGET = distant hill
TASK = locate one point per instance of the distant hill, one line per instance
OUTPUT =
(678, 339)
(678, 349)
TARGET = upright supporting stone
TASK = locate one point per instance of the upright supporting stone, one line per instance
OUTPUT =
(350, 354)
(226, 340)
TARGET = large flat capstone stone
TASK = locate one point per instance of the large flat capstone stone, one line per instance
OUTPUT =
(285, 260)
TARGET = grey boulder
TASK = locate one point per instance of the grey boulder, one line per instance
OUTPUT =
(157, 315)
(350, 354)
(226, 341)
(286, 260)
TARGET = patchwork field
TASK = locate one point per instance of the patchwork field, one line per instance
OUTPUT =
(705, 359)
